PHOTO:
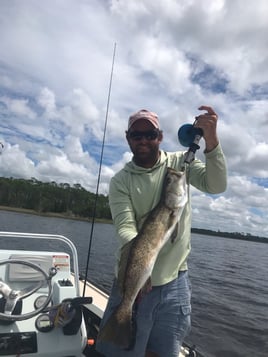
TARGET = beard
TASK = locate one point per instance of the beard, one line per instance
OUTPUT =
(145, 155)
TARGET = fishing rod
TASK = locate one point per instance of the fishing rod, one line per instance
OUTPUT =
(99, 174)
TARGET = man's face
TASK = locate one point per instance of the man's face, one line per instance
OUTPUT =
(144, 139)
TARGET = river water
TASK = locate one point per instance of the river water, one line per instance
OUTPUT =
(229, 281)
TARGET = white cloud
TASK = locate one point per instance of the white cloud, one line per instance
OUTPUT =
(47, 101)
(171, 57)
(15, 163)
(18, 107)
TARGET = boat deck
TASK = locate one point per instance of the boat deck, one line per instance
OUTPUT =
(99, 298)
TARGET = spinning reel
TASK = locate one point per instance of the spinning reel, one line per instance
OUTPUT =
(189, 136)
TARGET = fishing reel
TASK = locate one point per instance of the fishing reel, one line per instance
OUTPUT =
(189, 136)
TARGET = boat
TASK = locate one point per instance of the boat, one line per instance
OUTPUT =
(43, 311)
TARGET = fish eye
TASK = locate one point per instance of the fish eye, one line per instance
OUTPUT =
(168, 180)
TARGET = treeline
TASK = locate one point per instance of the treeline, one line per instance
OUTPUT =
(73, 201)
(234, 235)
(44, 197)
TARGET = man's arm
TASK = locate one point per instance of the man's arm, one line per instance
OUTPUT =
(122, 211)
(212, 176)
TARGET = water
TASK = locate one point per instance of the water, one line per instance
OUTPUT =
(229, 279)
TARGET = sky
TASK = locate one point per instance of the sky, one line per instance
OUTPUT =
(171, 57)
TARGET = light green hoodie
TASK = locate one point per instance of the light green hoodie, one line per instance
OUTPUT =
(135, 191)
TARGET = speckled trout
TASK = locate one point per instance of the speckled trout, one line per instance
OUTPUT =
(139, 255)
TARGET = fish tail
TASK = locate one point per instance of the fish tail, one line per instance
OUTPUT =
(118, 329)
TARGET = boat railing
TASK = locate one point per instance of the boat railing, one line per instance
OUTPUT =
(52, 237)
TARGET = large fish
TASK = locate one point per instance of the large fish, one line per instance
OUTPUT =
(140, 255)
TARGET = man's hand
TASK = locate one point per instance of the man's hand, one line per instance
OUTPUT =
(208, 123)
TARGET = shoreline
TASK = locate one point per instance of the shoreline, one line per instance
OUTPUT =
(53, 214)
(107, 221)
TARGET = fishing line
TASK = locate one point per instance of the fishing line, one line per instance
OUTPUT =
(99, 174)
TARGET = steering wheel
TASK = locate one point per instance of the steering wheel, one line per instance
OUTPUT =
(13, 296)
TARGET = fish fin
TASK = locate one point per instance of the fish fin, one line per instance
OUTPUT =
(146, 287)
(123, 264)
(119, 330)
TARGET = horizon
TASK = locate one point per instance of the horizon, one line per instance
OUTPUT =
(171, 57)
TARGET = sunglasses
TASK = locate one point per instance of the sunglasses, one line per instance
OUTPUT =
(148, 135)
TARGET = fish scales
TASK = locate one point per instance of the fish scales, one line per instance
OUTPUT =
(139, 256)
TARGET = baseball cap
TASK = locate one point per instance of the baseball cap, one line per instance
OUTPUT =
(144, 114)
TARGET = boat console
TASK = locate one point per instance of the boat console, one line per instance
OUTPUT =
(40, 303)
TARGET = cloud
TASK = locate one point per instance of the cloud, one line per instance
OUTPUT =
(17, 107)
(47, 101)
(15, 163)
(171, 57)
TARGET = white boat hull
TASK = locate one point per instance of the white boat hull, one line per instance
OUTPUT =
(43, 334)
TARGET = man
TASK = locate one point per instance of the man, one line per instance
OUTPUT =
(163, 314)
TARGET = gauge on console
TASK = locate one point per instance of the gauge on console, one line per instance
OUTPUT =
(43, 323)
(39, 301)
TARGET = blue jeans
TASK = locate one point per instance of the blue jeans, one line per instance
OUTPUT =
(163, 320)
